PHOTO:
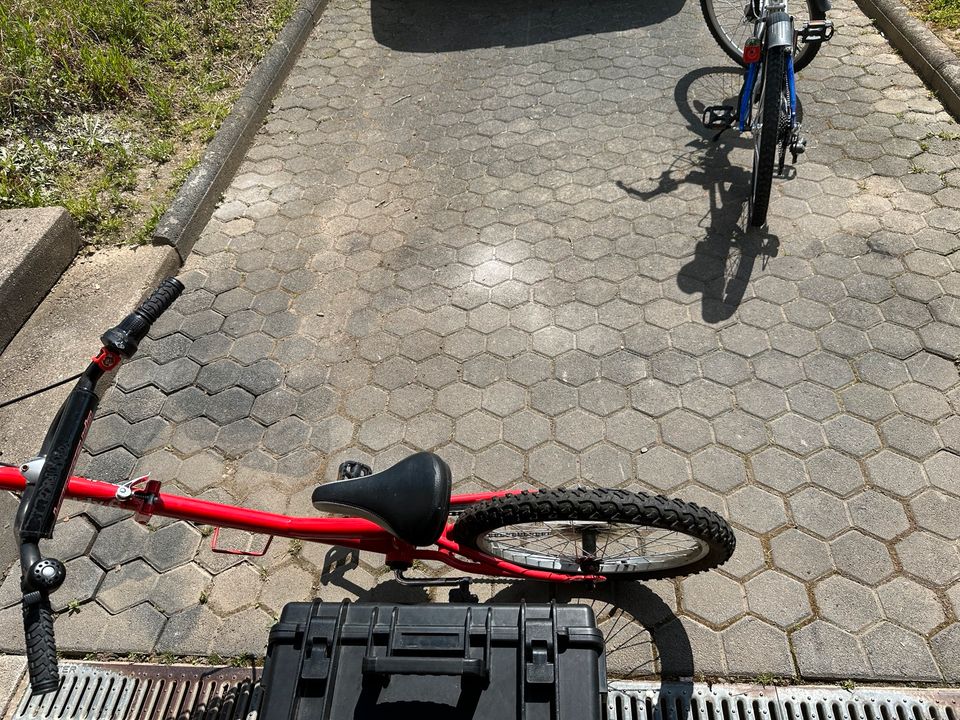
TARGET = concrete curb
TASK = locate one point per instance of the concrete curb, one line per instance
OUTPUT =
(925, 52)
(36, 246)
(189, 212)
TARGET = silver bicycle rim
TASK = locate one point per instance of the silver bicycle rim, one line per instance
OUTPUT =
(735, 26)
(730, 19)
(557, 546)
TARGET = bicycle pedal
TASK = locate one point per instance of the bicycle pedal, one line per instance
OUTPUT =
(797, 148)
(719, 116)
(352, 469)
(816, 31)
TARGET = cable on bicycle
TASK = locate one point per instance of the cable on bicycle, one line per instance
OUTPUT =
(32, 393)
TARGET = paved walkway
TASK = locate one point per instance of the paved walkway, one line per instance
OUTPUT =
(495, 230)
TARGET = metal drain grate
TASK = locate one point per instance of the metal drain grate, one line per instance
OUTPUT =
(696, 701)
(108, 691)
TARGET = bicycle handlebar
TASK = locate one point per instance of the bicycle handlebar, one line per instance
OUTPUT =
(126, 337)
(46, 480)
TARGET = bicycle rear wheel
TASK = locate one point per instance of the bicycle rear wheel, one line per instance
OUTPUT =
(615, 533)
(731, 22)
(769, 112)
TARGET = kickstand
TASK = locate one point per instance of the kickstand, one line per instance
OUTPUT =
(461, 593)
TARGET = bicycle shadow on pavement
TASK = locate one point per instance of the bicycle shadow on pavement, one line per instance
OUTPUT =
(438, 26)
(644, 637)
(725, 258)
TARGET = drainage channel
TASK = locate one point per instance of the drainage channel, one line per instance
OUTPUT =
(123, 691)
(698, 701)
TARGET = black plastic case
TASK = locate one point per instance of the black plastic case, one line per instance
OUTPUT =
(333, 661)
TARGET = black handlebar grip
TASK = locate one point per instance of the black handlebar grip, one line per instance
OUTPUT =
(125, 338)
(161, 299)
(41, 644)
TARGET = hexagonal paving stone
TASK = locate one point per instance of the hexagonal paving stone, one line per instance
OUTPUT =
(713, 597)
(910, 436)
(937, 512)
(877, 514)
(911, 605)
(757, 509)
(751, 643)
(718, 469)
(861, 557)
(928, 557)
(500, 466)
(824, 650)
(801, 555)
(552, 465)
(846, 603)
(662, 468)
(896, 652)
(943, 471)
(685, 431)
(797, 434)
(818, 512)
(835, 472)
(778, 599)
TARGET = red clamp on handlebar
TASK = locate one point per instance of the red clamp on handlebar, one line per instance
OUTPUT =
(106, 360)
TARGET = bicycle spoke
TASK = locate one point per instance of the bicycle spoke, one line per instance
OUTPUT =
(621, 548)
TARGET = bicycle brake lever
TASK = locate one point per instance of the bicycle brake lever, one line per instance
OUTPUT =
(125, 489)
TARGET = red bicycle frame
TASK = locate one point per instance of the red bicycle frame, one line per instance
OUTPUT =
(347, 532)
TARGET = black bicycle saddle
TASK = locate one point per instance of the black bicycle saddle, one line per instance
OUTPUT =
(410, 499)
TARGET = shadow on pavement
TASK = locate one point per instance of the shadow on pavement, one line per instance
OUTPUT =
(450, 25)
(644, 638)
(724, 259)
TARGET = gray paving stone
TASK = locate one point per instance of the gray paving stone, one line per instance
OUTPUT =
(778, 599)
(946, 649)
(937, 512)
(847, 604)
(751, 643)
(83, 580)
(801, 555)
(194, 630)
(910, 436)
(896, 652)
(713, 598)
(180, 588)
(825, 651)
(928, 557)
(169, 546)
(129, 585)
(911, 605)
(778, 470)
(756, 509)
(234, 589)
(861, 557)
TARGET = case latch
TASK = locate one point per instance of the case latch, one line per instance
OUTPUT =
(540, 651)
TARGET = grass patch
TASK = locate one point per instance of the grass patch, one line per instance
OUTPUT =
(942, 13)
(105, 105)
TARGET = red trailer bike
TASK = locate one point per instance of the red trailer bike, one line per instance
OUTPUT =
(405, 513)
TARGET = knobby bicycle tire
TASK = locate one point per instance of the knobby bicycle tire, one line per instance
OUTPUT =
(774, 81)
(804, 55)
(604, 505)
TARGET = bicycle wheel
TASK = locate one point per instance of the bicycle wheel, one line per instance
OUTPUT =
(731, 22)
(614, 533)
(771, 109)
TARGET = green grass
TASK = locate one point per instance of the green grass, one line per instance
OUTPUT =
(943, 13)
(105, 104)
